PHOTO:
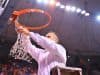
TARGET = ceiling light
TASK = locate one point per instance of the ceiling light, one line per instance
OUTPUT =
(62, 6)
(58, 4)
(87, 14)
(52, 2)
(45, 1)
(83, 12)
(73, 8)
(67, 8)
(39, 1)
(98, 17)
(78, 10)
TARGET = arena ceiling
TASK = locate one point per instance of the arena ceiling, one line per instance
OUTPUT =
(78, 34)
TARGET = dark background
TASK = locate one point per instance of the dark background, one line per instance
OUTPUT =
(80, 35)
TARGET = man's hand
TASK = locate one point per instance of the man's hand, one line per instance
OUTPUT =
(24, 30)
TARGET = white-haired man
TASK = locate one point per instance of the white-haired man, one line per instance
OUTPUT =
(52, 54)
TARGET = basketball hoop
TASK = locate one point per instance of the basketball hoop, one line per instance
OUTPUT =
(15, 16)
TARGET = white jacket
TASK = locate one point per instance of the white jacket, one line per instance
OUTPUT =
(52, 55)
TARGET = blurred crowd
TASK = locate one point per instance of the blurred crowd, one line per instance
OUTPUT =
(17, 69)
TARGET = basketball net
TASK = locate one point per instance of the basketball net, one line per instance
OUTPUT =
(18, 49)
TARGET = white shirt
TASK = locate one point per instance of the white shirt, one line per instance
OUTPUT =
(51, 56)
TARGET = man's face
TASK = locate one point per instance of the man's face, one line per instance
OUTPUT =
(52, 36)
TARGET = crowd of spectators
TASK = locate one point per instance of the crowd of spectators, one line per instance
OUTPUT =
(15, 68)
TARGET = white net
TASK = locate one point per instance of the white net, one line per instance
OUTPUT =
(17, 51)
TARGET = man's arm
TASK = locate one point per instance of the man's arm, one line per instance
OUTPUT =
(46, 43)
(43, 41)
(29, 48)
(49, 45)
(34, 51)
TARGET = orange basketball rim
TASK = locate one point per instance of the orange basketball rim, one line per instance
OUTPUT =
(15, 15)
